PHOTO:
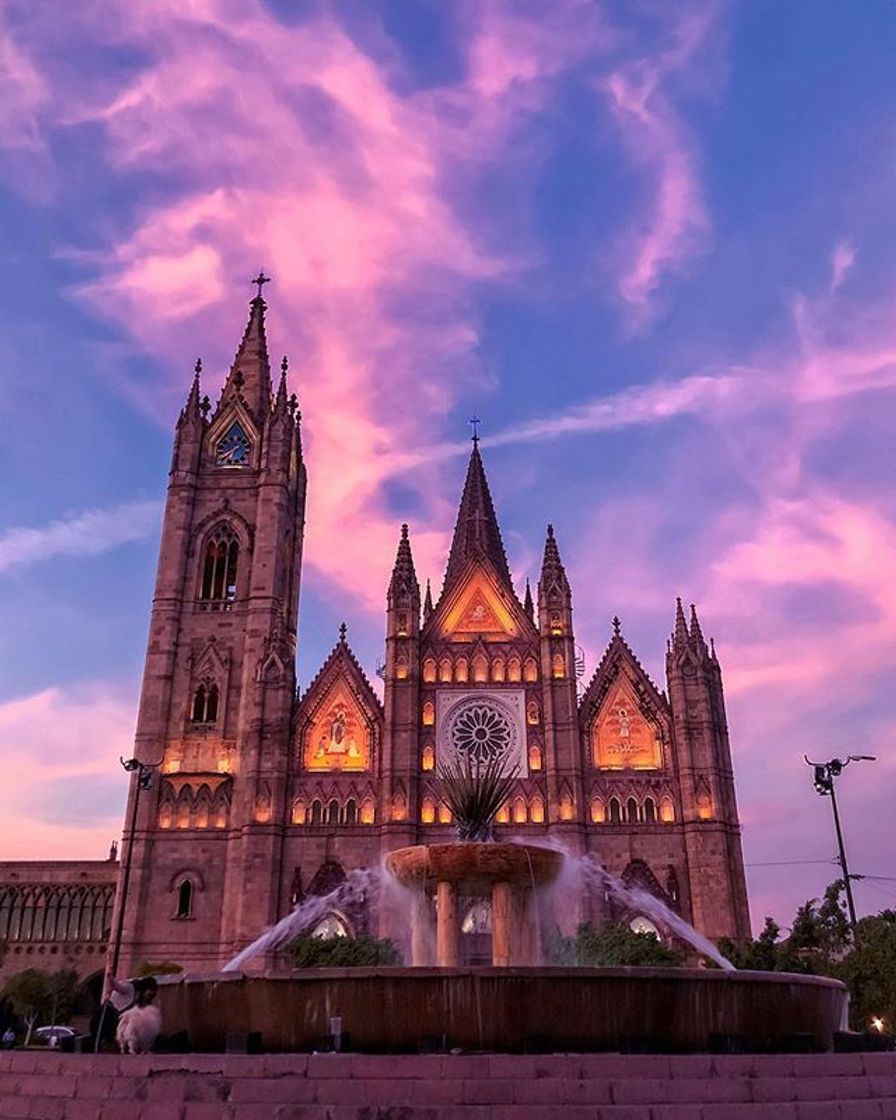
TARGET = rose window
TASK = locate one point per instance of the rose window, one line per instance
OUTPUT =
(481, 733)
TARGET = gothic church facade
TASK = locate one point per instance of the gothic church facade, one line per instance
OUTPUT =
(264, 796)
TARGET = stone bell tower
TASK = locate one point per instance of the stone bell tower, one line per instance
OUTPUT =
(219, 681)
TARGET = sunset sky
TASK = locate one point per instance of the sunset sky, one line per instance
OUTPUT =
(651, 245)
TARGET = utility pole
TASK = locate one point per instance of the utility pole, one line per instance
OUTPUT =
(825, 773)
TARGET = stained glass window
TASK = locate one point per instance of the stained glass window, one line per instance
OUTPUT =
(233, 448)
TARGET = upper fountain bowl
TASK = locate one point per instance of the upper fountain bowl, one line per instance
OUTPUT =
(474, 868)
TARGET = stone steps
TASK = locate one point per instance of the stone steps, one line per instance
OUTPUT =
(51, 1086)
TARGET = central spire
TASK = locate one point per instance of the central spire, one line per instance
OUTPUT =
(477, 526)
(250, 374)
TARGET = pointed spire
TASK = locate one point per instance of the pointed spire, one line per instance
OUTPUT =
(427, 603)
(528, 605)
(343, 633)
(250, 374)
(280, 404)
(617, 626)
(404, 578)
(696, 632)
(680, 635)
(477, 526)
(551, 565)
(193, 406)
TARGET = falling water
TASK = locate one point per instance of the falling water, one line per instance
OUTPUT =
(582, 872)
(354, 890)
(580, 875)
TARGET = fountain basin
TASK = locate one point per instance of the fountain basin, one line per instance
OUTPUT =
(474, 868)
(396, 1010)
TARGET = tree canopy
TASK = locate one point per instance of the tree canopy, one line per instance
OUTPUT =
(613, 944)
(342, 952)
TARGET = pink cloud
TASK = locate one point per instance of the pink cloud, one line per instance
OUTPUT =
(60, 747)
(842, 259)
(673, 224)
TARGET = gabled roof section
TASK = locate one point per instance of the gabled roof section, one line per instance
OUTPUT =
(476, 529)
(341, 662)
(619, 658)
(250, 375)
(479, 603)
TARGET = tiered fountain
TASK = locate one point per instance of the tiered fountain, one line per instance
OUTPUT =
(517, 1003)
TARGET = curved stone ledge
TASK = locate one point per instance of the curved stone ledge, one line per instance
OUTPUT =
(506, 1009)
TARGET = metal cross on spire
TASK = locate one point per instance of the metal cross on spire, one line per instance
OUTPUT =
(474, 424)
(260, 281)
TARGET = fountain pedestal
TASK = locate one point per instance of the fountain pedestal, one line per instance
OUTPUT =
(505, 873)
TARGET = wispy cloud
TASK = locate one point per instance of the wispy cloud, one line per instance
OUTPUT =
(87, 533)
(842, 259)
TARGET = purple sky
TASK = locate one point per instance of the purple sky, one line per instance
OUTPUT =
(649, 244)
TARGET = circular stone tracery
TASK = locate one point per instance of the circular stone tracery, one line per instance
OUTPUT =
(481, 733)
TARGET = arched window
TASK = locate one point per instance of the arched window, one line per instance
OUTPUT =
(205, 703)
(462, 671)
(667, 810)
(567, 806)
(184, 805)
(429, 714)
(445, 670)
(558, 666)
(650, 810)
(429, 670)
(503, 814)
(185, 899)
(530, 669)
(535, 759)
(444, 813)
(615, 810)
(514, 669)
(532, 713)
(480, 668)
(536, 811)
(597, 810)
(331, 925)
(520, 816)
(333, 812)
(351, 811)
(428, 811)
(498, 670)
(428, 761)
(203, 807)
(631, 811)
(368, 811)
(298, 811)
(219, 567)
(317, 811)
(220, 809)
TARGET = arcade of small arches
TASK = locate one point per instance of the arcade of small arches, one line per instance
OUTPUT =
(56, 913)
(644, 809)
(186, 808)
(333, 811)
(480, 669)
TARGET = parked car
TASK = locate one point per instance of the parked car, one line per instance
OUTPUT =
(52, 1036)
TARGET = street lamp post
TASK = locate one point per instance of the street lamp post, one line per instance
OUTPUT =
(825, 773)
(145, 771)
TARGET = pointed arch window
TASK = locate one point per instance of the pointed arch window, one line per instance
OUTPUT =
(536, 812)
(462, 671)
(514, 669)
(615, 810)
(351, 811)
(219, 567)
(333, 812)
(650, 810)
(317, 811)
(530, 669)
(185, 900)
(234, 448)
(445, 670)
(205, 703)
(520, 813)
(631, 811)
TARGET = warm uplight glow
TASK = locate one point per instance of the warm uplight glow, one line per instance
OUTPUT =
(621, 738)
(225, 763)
(368, 812)
(399, 807)
(520, 816)
(878, 1024)
(514, 669)
(429, 670)
(704, 807)
(478, 609)
(429, 714)
(401, 669)
(171, 766)
(667, 810)
(598, 813)
(337, 739)
(503, 815)
(444, 814)
(445, 670)
(530, 669)
(535, 757)
(429, 757)
(558, 667)
(480, 669)
(567, 809)
(428, 811)
(498, 669)
(536, 813)
(298, 812)
(462, 671)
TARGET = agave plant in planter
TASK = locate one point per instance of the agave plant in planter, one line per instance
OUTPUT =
(474, 792)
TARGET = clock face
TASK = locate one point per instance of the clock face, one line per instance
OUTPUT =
(233, 448)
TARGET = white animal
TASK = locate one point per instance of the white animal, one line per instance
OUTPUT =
(138, 1028)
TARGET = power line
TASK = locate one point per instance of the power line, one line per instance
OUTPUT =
(789, 862)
